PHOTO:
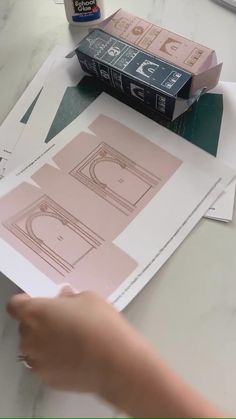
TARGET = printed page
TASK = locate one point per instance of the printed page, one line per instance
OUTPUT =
(66, 73)
(105, 205)
(13, 126)
(223, 208)
(226, 151)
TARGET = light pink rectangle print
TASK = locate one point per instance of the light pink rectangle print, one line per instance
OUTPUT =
(118, 164)
(59, 244)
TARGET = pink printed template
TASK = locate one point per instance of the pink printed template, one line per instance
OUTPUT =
(120, 181)
(59, 244)
(119, 165)
(82, 202)
(54, 234)
(66, 226)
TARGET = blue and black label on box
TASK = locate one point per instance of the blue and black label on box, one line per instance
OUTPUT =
(142, 76)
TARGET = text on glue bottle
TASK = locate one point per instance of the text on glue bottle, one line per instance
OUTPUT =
(84, 12)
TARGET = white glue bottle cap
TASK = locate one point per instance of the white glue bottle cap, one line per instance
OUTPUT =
(84, 12)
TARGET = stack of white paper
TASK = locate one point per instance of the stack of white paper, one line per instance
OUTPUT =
(105, 196)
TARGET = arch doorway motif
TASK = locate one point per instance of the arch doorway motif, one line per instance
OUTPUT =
(53, 234)
(115, 178)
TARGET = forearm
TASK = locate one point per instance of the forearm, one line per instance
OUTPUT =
(143, 386)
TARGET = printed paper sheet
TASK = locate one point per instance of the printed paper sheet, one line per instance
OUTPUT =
(105, 205)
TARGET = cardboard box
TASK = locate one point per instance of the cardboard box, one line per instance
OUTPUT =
(151, 81)
(197, 59)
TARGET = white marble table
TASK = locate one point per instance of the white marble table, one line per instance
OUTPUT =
(188, 311)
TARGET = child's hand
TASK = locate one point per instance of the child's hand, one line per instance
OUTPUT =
(72, 341)
(80, 343)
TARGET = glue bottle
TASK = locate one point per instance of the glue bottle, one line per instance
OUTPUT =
(84, 12)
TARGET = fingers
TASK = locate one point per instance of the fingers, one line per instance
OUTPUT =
(17, 305)
(66, 291)
(18, 302)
